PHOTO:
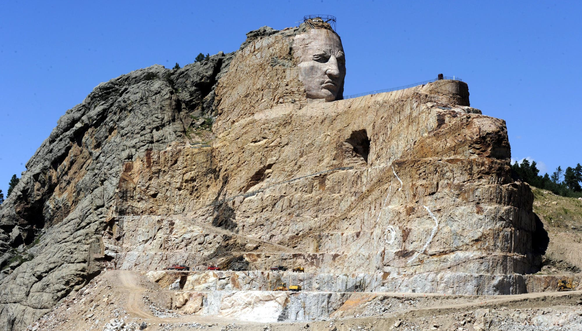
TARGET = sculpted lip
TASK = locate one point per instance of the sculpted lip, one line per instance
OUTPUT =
(329, 84)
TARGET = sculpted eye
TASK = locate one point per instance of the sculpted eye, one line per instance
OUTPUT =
(322, 57)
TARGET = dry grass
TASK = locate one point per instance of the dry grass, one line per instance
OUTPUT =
(562, 218)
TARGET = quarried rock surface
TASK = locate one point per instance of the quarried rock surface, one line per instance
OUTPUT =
(408, 190)
(405, 183)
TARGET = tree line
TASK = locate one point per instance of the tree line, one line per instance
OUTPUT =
(567, 183)
(13, 181)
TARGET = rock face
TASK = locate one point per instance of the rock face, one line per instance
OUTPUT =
(57, 214)
(411, 186)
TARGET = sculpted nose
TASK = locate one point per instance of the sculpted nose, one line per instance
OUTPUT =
(332, 68)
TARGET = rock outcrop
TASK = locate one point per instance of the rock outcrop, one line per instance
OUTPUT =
(404, 182)
(53, 223)
(411, 186)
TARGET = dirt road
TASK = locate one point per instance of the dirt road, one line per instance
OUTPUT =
(129, 282)
(134, 304)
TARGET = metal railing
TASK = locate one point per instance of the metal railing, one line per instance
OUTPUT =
(400, 87)
(329, 19)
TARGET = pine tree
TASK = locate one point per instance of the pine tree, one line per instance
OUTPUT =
(13, 182)
(557, 175)
(516, 169)
(199, 58)
(1, 197)
(536, 179)
(546, 182)
(570, 180)
(527, 171)
(567, 184)
(578, 172)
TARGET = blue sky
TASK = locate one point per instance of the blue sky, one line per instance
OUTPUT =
(521, 59)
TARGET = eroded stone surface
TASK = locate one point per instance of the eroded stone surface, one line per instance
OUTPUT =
(406, 183)
(68, 194)
(406, 190)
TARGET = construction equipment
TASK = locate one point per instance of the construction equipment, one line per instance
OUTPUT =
(298, 269)
(565, 285)
(179, 267)
(295, 288)
(279, 268)
(281, 287)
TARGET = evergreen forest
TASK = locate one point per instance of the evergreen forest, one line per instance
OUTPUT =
(566, 183)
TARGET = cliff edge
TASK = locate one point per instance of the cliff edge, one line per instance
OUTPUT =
(226, 162)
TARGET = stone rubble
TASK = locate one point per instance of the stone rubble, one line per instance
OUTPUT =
(121, 325)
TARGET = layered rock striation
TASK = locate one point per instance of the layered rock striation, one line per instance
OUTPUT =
(411, 186)
(52, 225)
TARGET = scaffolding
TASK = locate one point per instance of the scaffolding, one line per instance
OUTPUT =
(316, 19)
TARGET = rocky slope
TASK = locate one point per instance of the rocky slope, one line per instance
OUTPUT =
(562, 218)
(123, 300)
(53, 223)
(409, 189)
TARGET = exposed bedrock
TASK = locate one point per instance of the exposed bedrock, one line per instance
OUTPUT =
(442, 283)
(250, 295)
(404, 183)
(52, 224)
(227, 163)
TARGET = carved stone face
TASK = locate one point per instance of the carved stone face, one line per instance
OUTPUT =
(322, 65)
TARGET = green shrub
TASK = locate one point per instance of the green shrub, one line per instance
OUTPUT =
(19, 258)
(168, 78)
(150, 76)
